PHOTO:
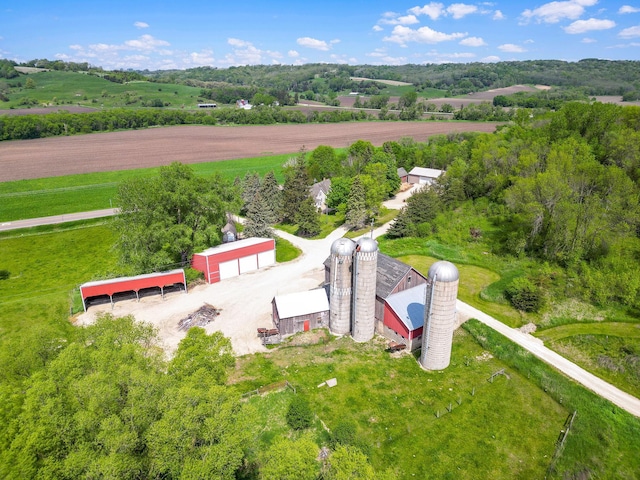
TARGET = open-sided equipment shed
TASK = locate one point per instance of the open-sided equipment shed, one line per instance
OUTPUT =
(131, 284)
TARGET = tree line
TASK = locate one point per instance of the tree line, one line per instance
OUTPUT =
(563, 188)
(24, 127)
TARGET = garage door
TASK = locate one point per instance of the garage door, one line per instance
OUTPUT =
(266, 258)
(248, 264)
(229, 269)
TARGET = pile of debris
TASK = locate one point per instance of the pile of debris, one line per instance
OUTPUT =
(201, 317)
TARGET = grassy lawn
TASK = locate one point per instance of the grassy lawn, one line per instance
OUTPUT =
(285, 250)
(386, 215)
(402, 412)
(45, 269)
(95, 191)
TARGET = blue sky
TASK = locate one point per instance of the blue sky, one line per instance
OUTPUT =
(163, 35)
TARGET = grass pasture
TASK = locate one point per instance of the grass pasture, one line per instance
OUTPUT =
(402, 412)
(76, 88)
(95, 191)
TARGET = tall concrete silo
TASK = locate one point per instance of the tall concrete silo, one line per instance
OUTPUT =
(439, 315)
(364, 290)
(340, 289)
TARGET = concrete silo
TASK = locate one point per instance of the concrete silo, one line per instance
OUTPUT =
(340, 286)
(364, 290)
(439, 316)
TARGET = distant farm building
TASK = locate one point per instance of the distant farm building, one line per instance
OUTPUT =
(404, 176)
(300, 312)
(152, 282)
(244, 104)
(424, 176)
(207, 105)
(235, 258)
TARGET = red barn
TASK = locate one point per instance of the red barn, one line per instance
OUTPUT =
(404, 316)
(234, 258)
(112, 286)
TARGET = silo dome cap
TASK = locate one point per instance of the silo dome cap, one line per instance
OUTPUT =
(343, 246)
(367, 245)
(445, 272)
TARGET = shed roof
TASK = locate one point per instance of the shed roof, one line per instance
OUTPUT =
(228, 247)
(324, 186)
(109, 281)
(426, 172)
(302, 303)
(402, 172)
(408, 305)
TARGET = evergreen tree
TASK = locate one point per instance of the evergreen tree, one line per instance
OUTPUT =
(259, 218)
(250, 186)
(308, 219)
(272, 196)
(296, 187)
(356, 214)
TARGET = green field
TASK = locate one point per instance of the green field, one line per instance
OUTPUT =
(402, 412)
(73, 88)
(95, 191)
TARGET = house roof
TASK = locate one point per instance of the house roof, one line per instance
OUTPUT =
(302, 303)
(389, 272)
(426, 172)
(324, 186)
(402, 172)
(408, 305)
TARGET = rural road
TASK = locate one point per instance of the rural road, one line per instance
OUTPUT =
(67, 217)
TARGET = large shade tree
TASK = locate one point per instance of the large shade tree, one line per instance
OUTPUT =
(164, 219)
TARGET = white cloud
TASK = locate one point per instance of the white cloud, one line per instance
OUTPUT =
(313, 43)
(202, 58)
(473, 42)
(377, 28)
(490, 59)
(588, 40)
(581, 26)
(511, 48)
(403, 35)
(403, 20)
(146, 42)
(630, 32)
(246, 53)
(628, 9)
(433, 10)
(459, 10)
(553, 12)
(141, 25)
(498, 15)
(293, 54)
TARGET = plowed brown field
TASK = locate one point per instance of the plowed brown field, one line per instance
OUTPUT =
(49, 157)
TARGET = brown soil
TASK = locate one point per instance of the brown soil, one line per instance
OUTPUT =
(49, 157)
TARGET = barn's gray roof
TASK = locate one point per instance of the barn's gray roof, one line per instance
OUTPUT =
(402, 172)
(409, 306)
(389, 273)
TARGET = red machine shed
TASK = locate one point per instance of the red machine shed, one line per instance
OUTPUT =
(234, 258)
(131, 284)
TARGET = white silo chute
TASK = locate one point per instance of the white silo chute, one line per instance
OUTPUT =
(364, 290)
(340, 286)
(439, 315)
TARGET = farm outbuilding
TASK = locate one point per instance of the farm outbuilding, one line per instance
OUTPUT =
(158, 280)
(300, 312)
(404, 316)
(404, 176)
(235, 258)
(424, 176)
